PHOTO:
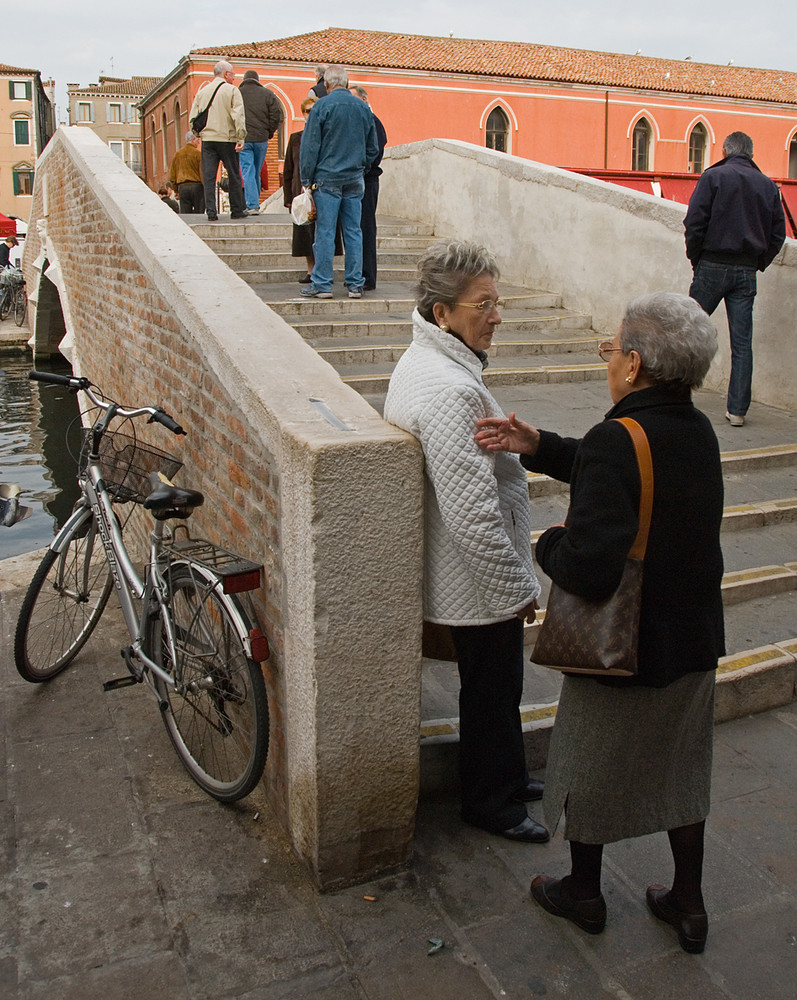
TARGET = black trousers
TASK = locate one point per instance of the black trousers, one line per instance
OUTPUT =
(492, 759)
(214, 153)
(192, 197)
(368, 227)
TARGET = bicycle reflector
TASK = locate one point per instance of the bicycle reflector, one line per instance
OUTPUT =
(258, 643)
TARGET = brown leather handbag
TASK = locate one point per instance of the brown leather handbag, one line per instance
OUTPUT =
(579, 636)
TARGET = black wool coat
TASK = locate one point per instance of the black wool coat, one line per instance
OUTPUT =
(681, 622)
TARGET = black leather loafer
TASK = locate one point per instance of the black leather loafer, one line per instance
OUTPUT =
(588, 914)
(529, 831)
(531, 791)
(692, 927)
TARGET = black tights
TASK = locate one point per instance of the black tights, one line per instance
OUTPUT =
(686, 844)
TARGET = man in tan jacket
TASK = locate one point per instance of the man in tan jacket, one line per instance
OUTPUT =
(186, 176)
(222, 138)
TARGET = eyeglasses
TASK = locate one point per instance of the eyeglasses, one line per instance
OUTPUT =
(486, 307)
(605, 349)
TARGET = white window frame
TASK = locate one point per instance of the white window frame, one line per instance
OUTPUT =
(108, 116)
(24, 84)
(79, 113)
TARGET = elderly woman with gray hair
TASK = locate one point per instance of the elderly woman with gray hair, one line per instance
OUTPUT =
(632, 756)
(479, 575)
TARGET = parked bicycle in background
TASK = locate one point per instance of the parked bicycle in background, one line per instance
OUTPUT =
(195, 641)
(13, 297)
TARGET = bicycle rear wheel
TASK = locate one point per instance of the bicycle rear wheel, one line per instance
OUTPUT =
(6, 299)
(217, 715)
(63, 604)
(20, 306)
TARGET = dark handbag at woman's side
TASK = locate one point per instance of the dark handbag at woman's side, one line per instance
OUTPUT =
(580, 636)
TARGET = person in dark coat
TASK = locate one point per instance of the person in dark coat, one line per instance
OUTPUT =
(263, 117)
(370, 199)
(632, 756)
(319, 88)
(734, 227)
(303, 236)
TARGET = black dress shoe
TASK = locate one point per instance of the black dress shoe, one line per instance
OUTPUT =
(305, 280)
(530, 792)
(529, 832)
(213, 218)
(692, 927)
(238, 215)
(588, 914)
(368, 288)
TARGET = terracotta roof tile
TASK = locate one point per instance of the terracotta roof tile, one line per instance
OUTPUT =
(519, 60)
(137, 86)
(11, 70)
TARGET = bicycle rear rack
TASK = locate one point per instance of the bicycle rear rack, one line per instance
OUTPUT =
(237, 574)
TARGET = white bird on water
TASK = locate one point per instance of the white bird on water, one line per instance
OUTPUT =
(11, 510)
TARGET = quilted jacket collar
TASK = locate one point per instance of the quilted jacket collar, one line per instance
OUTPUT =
(429, 335)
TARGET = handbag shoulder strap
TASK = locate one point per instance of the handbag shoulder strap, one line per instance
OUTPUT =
(645, 463)
(212, 96)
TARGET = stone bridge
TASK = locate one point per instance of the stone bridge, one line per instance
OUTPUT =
(299, 470)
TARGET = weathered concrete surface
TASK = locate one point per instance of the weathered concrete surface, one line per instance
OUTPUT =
(120, 879)
(600, 244)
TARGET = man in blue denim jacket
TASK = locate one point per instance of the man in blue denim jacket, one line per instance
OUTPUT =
(338, 145)
(734, 227)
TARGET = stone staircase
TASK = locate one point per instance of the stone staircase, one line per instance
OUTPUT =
(544, 365)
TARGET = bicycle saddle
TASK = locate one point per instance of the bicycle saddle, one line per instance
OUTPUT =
(167, 501)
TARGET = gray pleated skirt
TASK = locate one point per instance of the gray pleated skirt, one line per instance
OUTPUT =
(630, 761)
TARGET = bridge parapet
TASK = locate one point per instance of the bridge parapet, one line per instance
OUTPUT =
(597, 243)
(299, 472)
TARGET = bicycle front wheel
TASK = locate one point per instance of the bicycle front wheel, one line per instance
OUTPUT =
(5, 302)
(63, 604)
(20, 306)
(217, 715)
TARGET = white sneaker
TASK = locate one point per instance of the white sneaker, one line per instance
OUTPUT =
(355, 293)
(734, 419)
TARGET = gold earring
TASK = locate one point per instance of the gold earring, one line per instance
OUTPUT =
(628, 379)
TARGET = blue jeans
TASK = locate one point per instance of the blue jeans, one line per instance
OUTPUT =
(736, 284)
(333, 200)
(252, 157)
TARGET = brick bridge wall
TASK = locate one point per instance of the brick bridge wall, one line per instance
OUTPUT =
(153, 317)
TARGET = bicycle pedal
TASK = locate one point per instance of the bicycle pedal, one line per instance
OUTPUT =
(121, 682)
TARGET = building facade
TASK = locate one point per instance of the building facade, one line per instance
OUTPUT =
(110, 108)
(27, 114)
(570, 108)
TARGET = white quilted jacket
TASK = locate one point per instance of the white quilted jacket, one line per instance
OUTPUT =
(479, 567)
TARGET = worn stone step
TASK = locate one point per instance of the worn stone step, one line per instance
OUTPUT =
(373, 383)
(373, 351)
(278, 241)
(291, 274)
(272, 260)
(268, 225)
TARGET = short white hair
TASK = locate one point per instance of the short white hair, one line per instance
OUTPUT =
(222, 67)
(336, 76)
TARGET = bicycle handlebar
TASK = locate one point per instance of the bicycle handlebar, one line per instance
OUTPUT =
(156, 413)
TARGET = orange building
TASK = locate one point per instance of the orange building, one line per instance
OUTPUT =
(567, 107)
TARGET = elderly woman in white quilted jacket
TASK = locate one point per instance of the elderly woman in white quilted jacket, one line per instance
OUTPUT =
(479, 576)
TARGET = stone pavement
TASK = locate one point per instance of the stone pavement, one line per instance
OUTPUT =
(121, 880)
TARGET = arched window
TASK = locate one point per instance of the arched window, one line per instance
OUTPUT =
(642, 142)
(698, 143)
(497, 131)
(793, 158)
(152, 144)
(178, 127)
(165, 143)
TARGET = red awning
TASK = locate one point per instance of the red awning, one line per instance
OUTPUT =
(788, 194)
(678, 188)
(7, 226)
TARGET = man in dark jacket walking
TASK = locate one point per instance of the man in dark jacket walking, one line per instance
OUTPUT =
(734, 227)
(370, 199)
(263, 117)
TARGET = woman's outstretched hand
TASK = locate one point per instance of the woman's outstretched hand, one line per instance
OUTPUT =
(507, 434)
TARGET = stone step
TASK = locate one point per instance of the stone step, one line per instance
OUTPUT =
(392, 296)
(269, 225)
(373, 351)
(540, 374)
(278, 241)
(243, 263)
(511, 335)
(291, 275)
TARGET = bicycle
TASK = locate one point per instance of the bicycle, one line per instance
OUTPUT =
(195, 640)
(10, 278)
(20, 303)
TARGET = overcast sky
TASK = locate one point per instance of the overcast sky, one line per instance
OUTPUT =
(77, 41)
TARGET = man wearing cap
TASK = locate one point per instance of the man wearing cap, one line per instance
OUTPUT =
(263, 117)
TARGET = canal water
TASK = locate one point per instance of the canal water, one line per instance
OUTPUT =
(39, 442)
